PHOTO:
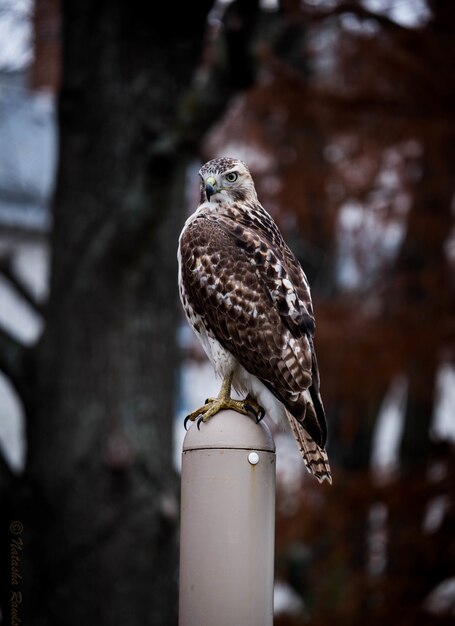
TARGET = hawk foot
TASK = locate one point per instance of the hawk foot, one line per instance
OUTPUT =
(212, 406)
(251, 405)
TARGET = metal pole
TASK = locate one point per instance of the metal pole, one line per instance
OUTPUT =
(227, 527)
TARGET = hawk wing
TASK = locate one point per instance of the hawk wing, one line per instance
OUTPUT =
(252, 295)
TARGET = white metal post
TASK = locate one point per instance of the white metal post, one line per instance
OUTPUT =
(227, 530)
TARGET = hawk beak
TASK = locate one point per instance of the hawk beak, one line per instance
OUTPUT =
(210, 187)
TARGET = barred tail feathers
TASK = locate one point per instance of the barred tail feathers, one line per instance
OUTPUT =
(314, 457)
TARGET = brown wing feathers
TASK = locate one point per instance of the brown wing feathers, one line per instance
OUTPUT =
(243, 289)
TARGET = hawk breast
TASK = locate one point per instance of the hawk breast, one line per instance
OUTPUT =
(242, 287)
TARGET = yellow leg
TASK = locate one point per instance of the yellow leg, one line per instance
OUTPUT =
(224, 401)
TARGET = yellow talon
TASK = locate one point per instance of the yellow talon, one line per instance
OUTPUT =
(224, 401)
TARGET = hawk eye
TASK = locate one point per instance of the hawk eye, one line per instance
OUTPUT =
(232, 177)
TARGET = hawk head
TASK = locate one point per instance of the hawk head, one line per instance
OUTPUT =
(226, 180)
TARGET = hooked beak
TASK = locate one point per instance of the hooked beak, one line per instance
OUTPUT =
(210, 187)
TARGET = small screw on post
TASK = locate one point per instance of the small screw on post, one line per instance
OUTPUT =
(253, 458)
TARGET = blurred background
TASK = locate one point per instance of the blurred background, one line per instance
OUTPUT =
(344, 111)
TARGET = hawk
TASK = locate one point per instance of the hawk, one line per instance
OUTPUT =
(248, 300)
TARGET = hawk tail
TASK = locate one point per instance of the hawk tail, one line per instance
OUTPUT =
(314, 457)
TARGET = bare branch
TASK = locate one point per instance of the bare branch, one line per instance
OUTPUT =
(230, 70)
(13, 358)
(7, 271)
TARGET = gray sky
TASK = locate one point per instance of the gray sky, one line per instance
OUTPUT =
(15, 34)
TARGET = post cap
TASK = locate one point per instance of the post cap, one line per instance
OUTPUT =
(229, 430)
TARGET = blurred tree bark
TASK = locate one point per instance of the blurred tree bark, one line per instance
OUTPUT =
(102, 517)
(425, 293)
(139, 88)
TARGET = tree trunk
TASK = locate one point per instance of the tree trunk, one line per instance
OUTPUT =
(425, 292)
(102, 525)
